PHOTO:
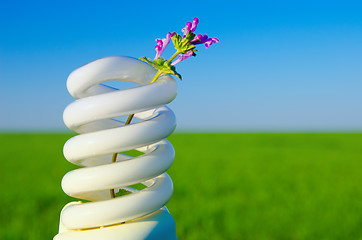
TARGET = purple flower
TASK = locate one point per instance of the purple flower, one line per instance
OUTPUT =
(186, 29)
(194, 24)
(182, 57)
(199, 39)
(190, 26)
(162, 44)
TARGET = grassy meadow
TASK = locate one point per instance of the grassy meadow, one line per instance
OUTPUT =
(226, 186)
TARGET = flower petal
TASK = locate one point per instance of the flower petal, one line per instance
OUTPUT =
(186, 29)
(182, 57)
(215, 40)
(197, 38)
(158, 48)
(194, 24)
(211, 41)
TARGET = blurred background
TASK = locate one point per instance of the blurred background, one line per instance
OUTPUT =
(269, 119)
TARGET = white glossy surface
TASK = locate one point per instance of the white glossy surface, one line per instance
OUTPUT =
(100, 136)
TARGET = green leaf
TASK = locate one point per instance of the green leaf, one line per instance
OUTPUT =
(162, 65)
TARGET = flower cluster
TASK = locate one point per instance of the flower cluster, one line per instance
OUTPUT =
(185, 48)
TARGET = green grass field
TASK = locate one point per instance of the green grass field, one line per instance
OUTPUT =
(226, 186)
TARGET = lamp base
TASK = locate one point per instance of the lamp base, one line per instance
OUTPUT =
(155, 226)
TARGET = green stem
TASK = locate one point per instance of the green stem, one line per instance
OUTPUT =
(114, 157)
(156, 76)
(174, 55)
(129, 119)
(160, 71)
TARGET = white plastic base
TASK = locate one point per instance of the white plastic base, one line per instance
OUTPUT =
(155, 226)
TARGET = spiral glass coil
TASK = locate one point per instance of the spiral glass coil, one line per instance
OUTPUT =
(141, 214)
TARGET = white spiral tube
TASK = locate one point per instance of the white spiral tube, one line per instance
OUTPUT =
(141, 214)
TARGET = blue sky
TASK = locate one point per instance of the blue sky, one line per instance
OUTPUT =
(279, 66)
